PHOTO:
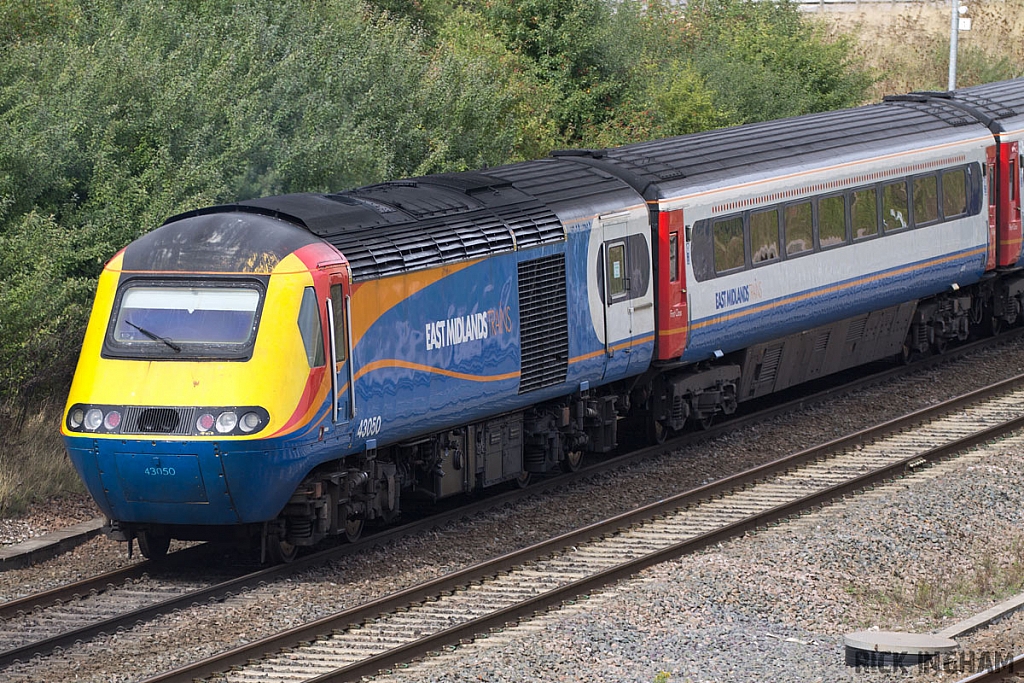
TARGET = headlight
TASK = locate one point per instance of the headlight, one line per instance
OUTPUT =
(249, 422)
(226, 421)
(76, 418)
(93, 419)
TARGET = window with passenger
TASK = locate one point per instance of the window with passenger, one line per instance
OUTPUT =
(764, 235)
(895, 212)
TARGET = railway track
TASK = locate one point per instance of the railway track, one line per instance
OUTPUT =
(491, 595)
(38, 624)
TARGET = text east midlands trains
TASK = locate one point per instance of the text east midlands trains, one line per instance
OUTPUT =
(465, 328)
(444, 333)
(732, 297)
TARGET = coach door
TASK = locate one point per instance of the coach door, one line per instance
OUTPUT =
(1012, 202)
(626, 293)
(340, 348)
(617, 314)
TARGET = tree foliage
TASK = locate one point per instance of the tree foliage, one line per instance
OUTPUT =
(118, 113)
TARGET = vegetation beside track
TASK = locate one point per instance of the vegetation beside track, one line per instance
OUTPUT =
(118, 113)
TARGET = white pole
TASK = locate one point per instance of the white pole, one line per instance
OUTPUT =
(954, 25)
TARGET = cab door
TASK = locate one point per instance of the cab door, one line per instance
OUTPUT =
(339, 348)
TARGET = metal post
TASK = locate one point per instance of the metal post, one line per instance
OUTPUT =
(954, 33)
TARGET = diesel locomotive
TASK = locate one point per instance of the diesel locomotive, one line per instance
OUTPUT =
(288, 368)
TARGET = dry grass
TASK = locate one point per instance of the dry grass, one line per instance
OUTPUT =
(906, 45)
(33, 463)
(996, 573)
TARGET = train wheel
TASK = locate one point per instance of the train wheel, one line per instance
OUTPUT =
(153, 546)
(523, 480)
(704, 420)
(354, 529)
(280, 551)
(572, 461)
(940, 345)
(656, 431)
(905, 354)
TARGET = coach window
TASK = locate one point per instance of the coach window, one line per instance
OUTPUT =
(954, 193)
(895, 212)
(764, 235)
(832, 221)
(799, 226)
(309, 328)
(864, 213)
(673, 257)
(728, 234)
(926, 200)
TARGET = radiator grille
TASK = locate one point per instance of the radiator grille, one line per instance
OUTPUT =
(856, 329)
(544, 328)
(176, 421)
(770, 364)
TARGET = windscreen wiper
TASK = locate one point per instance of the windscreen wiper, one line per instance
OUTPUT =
(154, 336)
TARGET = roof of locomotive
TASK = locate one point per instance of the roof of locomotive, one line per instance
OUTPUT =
(405, 225)
(674, 166)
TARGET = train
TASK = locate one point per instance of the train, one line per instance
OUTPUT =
(284, 369)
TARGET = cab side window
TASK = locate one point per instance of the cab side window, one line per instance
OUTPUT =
(309, 328)
(340, 330)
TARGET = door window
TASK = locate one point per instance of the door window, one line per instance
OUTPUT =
(616, 271)
(340, 333)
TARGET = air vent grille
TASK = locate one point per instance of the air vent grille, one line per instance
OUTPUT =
(544, 329)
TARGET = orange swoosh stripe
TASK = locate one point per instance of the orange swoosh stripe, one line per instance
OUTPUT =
(621, 345)
(381, 364)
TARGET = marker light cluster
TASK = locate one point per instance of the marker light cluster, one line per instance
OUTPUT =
(228, 421)
(94, 419)
(233, 421)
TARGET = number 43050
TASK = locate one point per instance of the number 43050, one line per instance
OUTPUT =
(369, 427)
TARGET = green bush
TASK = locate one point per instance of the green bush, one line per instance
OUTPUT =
(139, 110)
(116, 114)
